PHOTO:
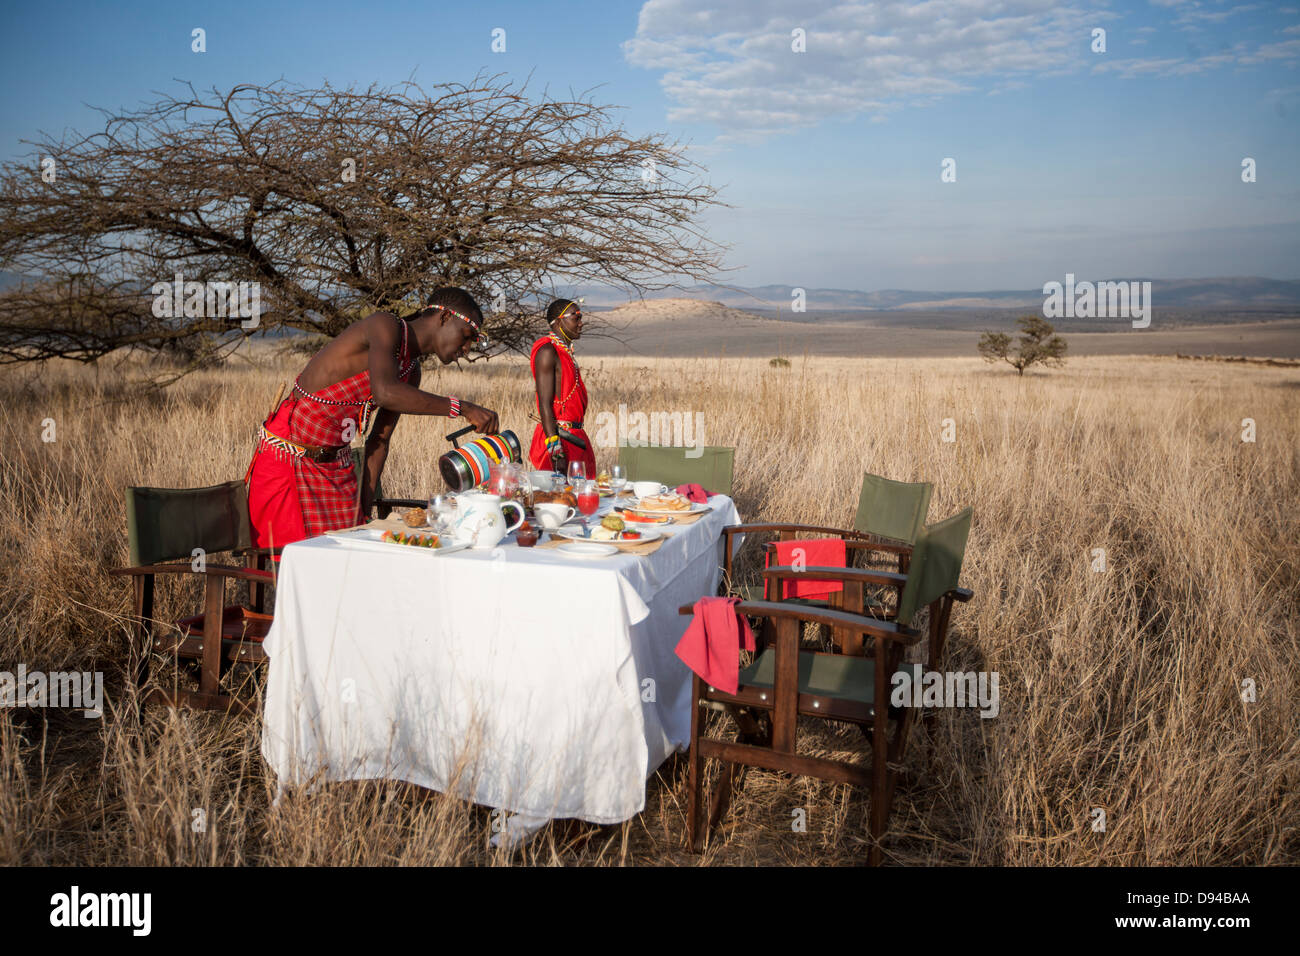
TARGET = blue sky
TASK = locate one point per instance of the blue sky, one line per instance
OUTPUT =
(1125, 163)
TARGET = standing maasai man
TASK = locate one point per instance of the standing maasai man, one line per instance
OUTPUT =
(301, 481)
(561, 394)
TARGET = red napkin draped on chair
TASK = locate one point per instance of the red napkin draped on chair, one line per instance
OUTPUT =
(811, 553)
(711, 645)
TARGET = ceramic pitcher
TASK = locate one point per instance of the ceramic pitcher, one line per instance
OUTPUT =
(480, 522)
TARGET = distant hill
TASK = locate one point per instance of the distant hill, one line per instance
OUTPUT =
(1230, 292)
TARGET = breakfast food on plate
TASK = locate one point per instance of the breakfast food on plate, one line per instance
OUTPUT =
(612, 522)
(556, 498)
(630, 535)
(413, 539)
(603, 478)
(602, 533)
(669, 502)
(633, 518)
(416, 518)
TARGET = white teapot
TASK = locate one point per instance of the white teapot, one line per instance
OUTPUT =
(479, 519)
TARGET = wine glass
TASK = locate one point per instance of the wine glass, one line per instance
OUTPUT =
(588, 500)
(441, 511)
(617, 479)
(577, 472)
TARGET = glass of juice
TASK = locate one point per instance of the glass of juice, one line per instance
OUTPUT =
(588, 499)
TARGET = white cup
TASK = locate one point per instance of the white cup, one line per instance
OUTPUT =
(552, 515)
(644, 489)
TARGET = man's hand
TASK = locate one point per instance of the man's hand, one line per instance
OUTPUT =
(560, 463)
(483, 419)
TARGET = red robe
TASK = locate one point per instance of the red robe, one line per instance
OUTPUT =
(569, 406)
(291, 498)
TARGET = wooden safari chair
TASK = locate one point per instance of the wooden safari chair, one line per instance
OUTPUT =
(164, 527)
(786, 683)
(711, 469)
(889, 517)
(934, 585)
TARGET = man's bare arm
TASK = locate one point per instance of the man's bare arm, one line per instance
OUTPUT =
(376, 453)
(390, 392)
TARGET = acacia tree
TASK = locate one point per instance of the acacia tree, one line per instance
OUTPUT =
(1039, 345)
(336, 202)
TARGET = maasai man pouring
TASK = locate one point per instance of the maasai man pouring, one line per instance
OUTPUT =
(561, 394)
(301, 481)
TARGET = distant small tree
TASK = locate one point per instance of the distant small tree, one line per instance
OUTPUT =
(1039, 345)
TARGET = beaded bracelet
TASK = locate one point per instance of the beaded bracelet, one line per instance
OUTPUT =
(455, 406)
(552, 444)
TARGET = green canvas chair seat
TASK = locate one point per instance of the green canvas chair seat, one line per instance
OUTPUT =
(837, 676)
(711, 468)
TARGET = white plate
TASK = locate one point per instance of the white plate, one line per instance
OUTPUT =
(573, 532)
(695, 508)
(376, 536)
(588, 549)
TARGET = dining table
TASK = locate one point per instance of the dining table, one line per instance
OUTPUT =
(525, 679)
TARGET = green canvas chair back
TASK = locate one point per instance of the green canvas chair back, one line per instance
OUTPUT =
(936, 564)
(892, 509)
(165, 524)
(711, 468)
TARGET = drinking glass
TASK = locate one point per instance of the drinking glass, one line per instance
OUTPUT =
(577, 472)
(617, 479)
(442, 509)
(588, 500)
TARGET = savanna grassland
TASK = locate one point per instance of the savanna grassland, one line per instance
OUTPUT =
(1120, 689)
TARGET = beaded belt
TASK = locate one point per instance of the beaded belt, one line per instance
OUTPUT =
(313, 452)
(569, 426)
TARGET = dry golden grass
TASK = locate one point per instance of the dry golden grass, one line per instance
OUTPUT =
(1119, 690)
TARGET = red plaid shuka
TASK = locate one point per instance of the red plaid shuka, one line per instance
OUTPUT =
(291, 497)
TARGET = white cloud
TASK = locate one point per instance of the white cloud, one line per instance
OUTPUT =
(731, 63)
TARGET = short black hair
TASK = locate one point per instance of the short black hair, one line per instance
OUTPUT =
(556, 308)
(456, 299)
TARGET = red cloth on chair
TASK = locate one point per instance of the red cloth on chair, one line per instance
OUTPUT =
(711, 645)
(811, 553)
(694, 493)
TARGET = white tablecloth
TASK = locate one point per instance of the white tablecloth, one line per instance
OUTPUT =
(517, 678)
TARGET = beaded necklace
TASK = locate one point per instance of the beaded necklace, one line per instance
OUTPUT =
(568, 350)
(368, 406)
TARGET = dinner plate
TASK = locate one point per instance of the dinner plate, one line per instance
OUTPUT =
(376, 536)
(573, 532)
(587, 549)
(695, 508)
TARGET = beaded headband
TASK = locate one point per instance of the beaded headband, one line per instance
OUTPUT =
(482, 339)
(565, 311)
